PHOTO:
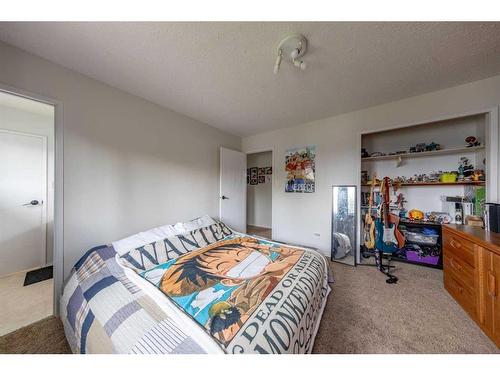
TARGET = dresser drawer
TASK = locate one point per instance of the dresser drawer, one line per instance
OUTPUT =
(462, 270)
(460, 247)
(463, 295)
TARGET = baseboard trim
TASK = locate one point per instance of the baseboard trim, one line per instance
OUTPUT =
(258, 226)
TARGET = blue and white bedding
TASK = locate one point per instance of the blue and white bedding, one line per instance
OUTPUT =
(210, 290)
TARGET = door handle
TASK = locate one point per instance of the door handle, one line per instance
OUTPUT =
(34, 202)
(224, 197)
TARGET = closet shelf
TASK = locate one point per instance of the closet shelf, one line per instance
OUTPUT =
(411, 155)
(476, 183)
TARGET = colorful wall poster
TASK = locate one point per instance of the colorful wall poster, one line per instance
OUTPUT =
(300, 169)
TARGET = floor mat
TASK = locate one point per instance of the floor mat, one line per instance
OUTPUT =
(38, 275)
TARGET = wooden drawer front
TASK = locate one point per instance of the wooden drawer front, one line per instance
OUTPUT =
(460, 248)
(463, 295)
(462, 270)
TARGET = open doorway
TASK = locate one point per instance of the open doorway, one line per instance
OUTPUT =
(27, 145)
(259, 194)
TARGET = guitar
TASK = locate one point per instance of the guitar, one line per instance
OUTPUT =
(389, 238)
(369, 229)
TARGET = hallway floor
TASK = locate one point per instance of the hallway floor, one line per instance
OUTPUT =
(23, 305)
(260, 231)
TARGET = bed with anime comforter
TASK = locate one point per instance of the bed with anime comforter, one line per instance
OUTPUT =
(209, 290)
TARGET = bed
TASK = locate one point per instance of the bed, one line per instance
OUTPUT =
(199, 287)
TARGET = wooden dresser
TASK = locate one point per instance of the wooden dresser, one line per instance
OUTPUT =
(471, 264)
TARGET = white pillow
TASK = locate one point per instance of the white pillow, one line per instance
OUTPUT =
(188, 226)
(127, 244)
(160, 233)
(165, 230)
(143, 238)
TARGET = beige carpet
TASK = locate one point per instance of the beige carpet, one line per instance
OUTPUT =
(43, 337)
(363, 315)
(23, 305)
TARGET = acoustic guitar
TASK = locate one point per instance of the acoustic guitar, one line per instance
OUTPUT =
(369, 228)
(389, 238)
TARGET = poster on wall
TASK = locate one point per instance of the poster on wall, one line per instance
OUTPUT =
(300, 169)
(256, 176)
(252, 177)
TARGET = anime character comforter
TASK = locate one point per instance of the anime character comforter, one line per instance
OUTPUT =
(248, 294)
(208, 291)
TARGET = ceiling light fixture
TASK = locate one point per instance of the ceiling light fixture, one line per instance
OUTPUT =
(293, 46)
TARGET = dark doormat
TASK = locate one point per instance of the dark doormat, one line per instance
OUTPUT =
(38, 275)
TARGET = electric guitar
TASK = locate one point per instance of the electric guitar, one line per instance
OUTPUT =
(369, 229)
(389, 238)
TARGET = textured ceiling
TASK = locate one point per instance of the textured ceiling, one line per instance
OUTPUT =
(222, 73)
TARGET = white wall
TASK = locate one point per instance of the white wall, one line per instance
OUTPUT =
(129, 165)
(35, 123)
(338, 139)
(259, 197)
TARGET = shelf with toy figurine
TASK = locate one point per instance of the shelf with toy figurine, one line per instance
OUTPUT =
(408, 155)
(438, 183)
(405, 220)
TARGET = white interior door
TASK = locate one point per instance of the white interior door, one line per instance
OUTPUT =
(23, 165)
(233, 189)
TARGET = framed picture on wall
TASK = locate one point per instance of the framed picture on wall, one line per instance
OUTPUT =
(300, 169)
(253, 172)
(262, 179)
(254, 180)
(269, 170)
(262, 171)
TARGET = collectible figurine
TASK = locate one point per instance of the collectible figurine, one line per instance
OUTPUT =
(465, 169)
(432, 147)
(472, 141)
(400, 201)
(434, 176)
(416, 214)
(420, 147)
(364, 153)
(478, 175)
(364, 177)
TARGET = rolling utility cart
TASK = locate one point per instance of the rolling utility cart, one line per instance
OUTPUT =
(423, 244)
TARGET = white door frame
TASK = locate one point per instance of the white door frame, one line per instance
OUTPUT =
(271, 150)
(43, 260)
(221, 167)
(58, 250)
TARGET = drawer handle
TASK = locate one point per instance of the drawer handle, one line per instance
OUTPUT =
(455, 265)
(457, 286)
(456, 244)
(492, 285)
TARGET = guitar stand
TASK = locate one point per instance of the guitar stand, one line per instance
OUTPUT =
(391, 279)
(386, 270)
